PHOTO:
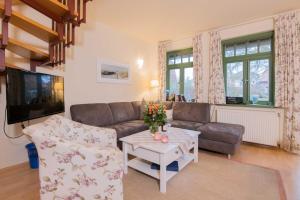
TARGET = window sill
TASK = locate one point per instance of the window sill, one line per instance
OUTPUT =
(248, 105)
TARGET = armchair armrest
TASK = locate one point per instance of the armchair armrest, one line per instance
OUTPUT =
(64, 128)
(86, 134)
(70, 169)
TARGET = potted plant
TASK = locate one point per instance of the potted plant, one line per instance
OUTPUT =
(155, 116)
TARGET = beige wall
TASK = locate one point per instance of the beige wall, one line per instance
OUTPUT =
(93, 40)
(98, 41)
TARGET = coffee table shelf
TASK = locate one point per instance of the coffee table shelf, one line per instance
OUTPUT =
(145, 166)
(147, 151)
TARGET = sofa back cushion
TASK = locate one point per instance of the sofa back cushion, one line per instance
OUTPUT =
(122, 112)
(137, 109)
(194, 112)
(92, 114)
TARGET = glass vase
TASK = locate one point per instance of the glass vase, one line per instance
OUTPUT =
(153, 129)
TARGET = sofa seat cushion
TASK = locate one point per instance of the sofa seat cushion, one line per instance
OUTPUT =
(128, 128)
(228, 133)
(186, 124)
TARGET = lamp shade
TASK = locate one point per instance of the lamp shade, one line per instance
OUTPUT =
(154, 83)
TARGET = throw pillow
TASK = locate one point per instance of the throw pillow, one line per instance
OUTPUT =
(169, 114)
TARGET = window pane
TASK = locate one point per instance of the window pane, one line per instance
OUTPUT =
(191, 58)
(259, 80)
(229, 51)
(171, 61)
(174, 81)
(252, 47)
(235, 79)
(178, 60)
(240, 50)
(185, 59)
(265, 46)
(189, 84)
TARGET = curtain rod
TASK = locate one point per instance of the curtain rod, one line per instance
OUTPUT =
(222, 28)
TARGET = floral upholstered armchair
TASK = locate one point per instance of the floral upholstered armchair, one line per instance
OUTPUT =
(77, 161)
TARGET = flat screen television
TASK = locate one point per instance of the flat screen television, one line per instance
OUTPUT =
(32, 95)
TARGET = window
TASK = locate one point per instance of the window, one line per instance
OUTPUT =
(248, 69)
(180, 76)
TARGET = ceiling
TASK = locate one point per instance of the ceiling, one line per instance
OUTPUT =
(155, 20)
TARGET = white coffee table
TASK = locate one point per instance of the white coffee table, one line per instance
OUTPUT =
(159, 153)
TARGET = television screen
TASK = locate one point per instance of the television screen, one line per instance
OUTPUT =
(32, 95)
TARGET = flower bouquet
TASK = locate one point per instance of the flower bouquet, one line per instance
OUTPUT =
(155, 116)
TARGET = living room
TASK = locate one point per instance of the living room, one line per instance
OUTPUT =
(225, 72)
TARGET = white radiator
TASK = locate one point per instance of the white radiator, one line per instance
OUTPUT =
(262, 125)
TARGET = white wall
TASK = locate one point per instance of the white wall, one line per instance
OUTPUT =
(93, 40)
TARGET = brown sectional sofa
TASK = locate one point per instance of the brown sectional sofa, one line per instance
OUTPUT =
(126, 118)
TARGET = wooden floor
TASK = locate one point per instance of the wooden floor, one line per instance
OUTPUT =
(287, 164)
(21, 183)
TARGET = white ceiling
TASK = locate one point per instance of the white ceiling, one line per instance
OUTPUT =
(155, 20)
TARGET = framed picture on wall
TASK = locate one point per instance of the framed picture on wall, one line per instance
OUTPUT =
(113, 72)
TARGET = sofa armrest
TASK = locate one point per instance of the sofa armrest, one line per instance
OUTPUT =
(68, 169)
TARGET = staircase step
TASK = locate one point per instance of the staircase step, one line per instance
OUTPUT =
(14, 2)
(10, 65)
(26, 50)
(51, 8)
(40, 31)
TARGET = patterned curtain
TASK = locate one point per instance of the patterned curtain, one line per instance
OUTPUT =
(287, 76)
(198, 68)
(162, 65)
(216, 88)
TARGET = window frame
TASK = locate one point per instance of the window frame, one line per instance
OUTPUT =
(181, 66)
(246, 65)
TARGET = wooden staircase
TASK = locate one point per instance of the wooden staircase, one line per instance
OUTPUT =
(66, 15)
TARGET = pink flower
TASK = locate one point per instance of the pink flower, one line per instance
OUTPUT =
(115, 175)
(100, 163)
(86, 181)
(47, 144)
